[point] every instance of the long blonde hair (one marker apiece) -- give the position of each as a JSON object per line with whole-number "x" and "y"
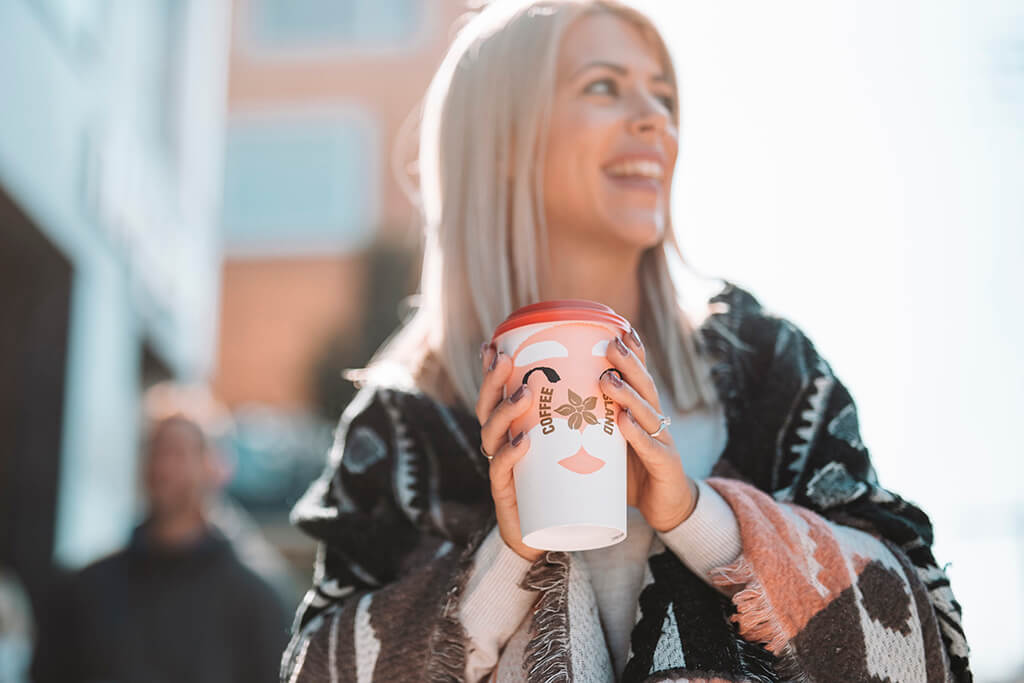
{"x": 485, "y": 117}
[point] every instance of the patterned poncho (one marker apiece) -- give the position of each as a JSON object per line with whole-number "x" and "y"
{"x": 836, "y": 581}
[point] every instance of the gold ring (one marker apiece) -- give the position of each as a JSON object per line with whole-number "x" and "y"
{"x": 489, "y": 457}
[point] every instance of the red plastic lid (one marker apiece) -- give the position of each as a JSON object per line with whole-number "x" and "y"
{"x": 562, "y": 310}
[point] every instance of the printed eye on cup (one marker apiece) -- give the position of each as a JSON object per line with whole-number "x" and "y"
{"x": 571, "y": 484}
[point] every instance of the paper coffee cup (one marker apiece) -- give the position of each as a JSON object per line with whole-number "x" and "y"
{"x": 571, "y": 484}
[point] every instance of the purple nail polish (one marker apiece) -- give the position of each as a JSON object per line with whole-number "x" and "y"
{"x": 517, "y": 394}
{"x": 614, "y": 378}
{"x": 517, "y": 439}
{"x": 635, "y": 336}
{"x": 483, "y": 349}
{"x": 621, "y": 347}
{"x": 494, "y": 361}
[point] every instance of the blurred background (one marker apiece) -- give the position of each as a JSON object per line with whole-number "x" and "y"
{"x": 213, "y": 193}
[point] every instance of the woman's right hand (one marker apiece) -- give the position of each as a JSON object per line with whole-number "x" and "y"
{"x": 496, "y": 415}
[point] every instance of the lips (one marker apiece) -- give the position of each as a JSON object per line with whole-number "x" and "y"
{"x": 640, "y": 170}
{"x": 635, "y": 182}
{"x": 582, "y": 462}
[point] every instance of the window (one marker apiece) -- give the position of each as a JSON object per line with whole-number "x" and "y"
{"x": 316, "y": 24}
{"x": 299, "y": 183}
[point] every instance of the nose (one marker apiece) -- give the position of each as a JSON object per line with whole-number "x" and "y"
{"x": 649, "y": 118}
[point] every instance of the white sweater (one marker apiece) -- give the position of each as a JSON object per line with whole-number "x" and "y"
{"x": 493, "y": 607}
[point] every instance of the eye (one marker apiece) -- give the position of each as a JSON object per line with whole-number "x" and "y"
{"x": 613, "y": 88}
{"x": 668, "y": 101}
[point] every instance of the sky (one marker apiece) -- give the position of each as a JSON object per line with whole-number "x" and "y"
{"x": 859, "y": 166}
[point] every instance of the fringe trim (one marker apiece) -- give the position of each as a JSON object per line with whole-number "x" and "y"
{"x": 547, "y": 658}
{"x": 755, "y": 616}
{"x": 446, "y": 662}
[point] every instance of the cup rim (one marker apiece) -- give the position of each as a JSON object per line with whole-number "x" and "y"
{"x": 562, "y": 310}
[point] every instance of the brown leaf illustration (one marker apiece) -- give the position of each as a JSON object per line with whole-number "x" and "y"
{"x": 575, "y": 421}
{"x": 590, "y": 403}
{"x": 565, "y": 409}
{"x": 574, "y": 398}
{"x": 589, "y": 417}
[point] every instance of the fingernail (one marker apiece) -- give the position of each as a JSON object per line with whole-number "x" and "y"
{"x": 629, "y": 414}
{"x": 517, "y": 394}
{"x": 621, "y": 347}
{"x": 483, "y": 349}
{"x": 517, "y": 438}
{"x": 614, "y": 378}
{"x": 494, "y": 361}
{"x": 635, "y": 336}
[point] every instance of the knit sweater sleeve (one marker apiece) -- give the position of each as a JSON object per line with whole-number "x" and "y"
{"x": 494, "y": 603}
{"x": 392, "y": 560}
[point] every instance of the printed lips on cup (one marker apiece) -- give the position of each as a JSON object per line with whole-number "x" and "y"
{"x": 571, "y": 484}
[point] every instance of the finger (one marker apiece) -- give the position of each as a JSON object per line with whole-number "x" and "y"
{"x": 495, "y": 429}
{"x": 636, "y": 346}
{"x": 630, "y": 399}
{"x": 656, "y": 456}
{"x": 497, "y": 367}
{"x": 633, "y": 370}
{"x": 503, "y": 462}
{"x": 487, "y": 353}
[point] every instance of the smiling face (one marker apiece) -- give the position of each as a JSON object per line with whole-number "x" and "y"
{"x": 561, "y": 365}
{"x": 612, "y": 142}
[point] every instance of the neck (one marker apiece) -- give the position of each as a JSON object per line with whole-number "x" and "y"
{"x": 178, "y": 529}
{"x": 595, "y": 272}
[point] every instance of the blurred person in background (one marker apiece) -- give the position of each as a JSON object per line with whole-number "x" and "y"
{"x": 176, "y": 605}
{"x": 760, "y": 545}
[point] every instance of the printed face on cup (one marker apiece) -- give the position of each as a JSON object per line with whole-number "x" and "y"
{"x": 570, "y": 416}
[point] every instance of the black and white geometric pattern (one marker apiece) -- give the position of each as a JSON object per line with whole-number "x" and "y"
{"x": 404, "y": 501}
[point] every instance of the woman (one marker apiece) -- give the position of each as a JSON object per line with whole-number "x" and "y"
{"x": 760, "y": 546}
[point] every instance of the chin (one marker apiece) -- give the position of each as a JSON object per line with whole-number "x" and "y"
{"x": 637, "y": 228}
{"x": 641, "y": 236}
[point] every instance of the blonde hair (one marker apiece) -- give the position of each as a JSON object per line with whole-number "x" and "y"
{"x": 485, "y": 115}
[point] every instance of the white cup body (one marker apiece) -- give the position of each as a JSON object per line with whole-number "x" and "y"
{"x": 564, "y": 503}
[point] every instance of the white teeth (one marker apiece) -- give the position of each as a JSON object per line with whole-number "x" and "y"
{"x": 647, "y": 169}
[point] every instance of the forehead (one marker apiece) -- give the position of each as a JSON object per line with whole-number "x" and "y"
{"x": 606, "y": 37}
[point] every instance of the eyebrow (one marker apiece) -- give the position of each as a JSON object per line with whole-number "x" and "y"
{"x": 617, "y": 68}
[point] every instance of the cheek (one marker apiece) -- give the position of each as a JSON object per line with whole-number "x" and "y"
{"x": 557, "y": 173}
{"x": 198, "y": 482}
{"x": 576, "y": 138}
{"x": 572, "y": 191}
{"x": 672, "y": 153}
{"x": 560, "y": 162}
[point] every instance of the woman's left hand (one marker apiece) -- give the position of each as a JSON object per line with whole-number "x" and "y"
{"x": 657, "y": 485}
